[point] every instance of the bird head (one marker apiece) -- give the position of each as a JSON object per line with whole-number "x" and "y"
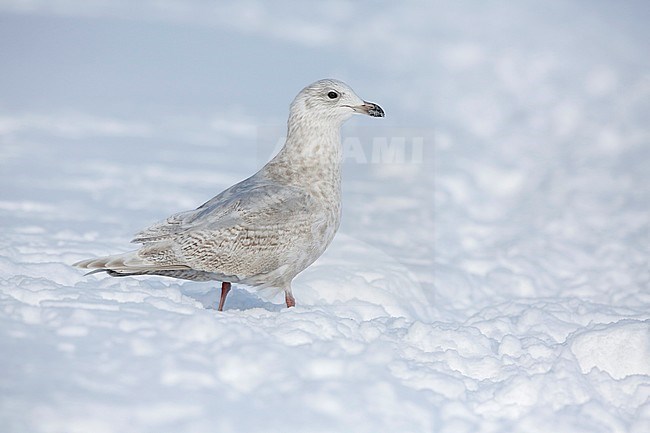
{"x": 331, "y": 100}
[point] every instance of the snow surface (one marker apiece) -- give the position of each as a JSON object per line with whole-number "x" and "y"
{"x": 493, "y": 277}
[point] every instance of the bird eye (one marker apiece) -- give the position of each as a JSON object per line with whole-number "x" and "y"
{"x": 332, "y": 95}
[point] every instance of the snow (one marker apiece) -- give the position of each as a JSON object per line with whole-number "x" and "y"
{"x": 494, "y": 279}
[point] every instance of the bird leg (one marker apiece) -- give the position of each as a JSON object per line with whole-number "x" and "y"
{"x": 225, "y": 288}
{"x": 288, "y": 297}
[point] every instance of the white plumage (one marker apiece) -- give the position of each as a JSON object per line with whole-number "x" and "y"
{"x": 266, "y": 229}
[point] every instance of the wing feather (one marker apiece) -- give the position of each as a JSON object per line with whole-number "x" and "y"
{"x": 252, "y": 203}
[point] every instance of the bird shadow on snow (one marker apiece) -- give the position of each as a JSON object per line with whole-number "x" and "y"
{"x": 238, "y": 298}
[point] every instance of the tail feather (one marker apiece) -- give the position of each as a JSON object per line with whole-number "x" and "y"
{"x": 124, "y": 264}
{"x": 132, "y": 264}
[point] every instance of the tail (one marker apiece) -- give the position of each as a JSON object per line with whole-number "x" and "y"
{"x": 126, "y": 264}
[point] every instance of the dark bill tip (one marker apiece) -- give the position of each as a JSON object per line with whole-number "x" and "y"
{"x": 373, "y": 109}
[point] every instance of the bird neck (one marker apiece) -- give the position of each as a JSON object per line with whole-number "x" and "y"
{"x": 311, "y": 156}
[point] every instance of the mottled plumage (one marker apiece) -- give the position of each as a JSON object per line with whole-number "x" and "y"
{"x": 266, "y": 229}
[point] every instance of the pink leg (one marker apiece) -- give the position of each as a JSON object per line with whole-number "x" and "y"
{"x": 288, "y": 297}
{"x": 225, "y": 288}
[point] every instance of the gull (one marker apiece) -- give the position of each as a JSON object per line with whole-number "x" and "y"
{"x": 264, "y": 230}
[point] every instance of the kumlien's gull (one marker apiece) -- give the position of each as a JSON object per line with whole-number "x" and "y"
{"x": 265, "y": 230}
